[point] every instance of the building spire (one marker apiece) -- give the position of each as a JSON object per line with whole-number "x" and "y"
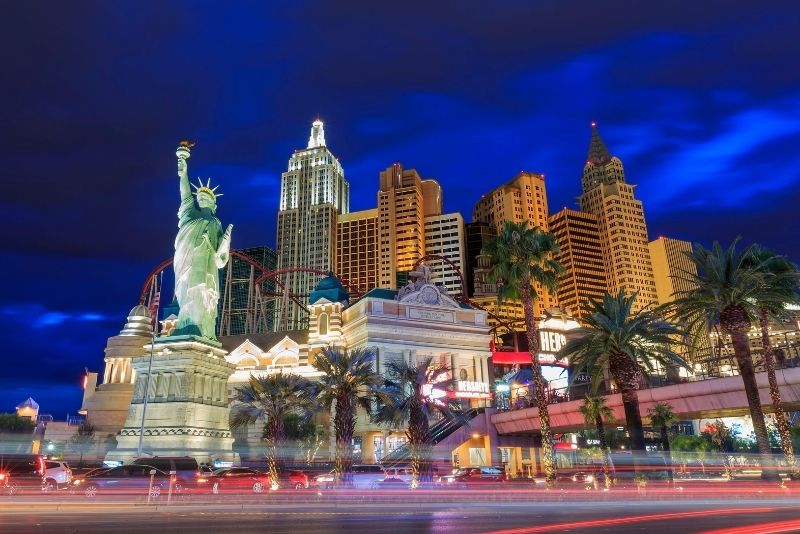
{"x": 598, "y": 153}
{"x": 317, "y": 137}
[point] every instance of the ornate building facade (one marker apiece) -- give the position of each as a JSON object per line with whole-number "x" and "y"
{"x": 314, "y": 192}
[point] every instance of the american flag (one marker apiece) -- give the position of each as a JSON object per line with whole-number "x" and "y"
{"x": 154, "y": 303}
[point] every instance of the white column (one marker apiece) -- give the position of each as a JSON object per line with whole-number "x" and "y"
{"x": 107, "y": 371}
{"x": 484, "y": 368}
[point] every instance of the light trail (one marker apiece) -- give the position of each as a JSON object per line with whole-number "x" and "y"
{"x": 792, "y": 525}
{"x": 631, "y": 519}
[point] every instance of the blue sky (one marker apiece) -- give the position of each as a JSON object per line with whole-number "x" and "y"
{"x": 700, "y": 100}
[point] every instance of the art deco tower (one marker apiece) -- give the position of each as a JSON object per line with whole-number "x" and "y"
{"x": 314, "y": 192}
{"x": 621, "y": 223}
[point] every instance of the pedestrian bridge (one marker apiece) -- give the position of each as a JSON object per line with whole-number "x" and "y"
{"x": 706, "y": 399}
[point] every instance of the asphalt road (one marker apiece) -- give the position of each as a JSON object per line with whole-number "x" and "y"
{"x": 750, "y": 516}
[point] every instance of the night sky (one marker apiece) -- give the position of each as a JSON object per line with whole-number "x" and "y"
{"x": 700, "y": 100}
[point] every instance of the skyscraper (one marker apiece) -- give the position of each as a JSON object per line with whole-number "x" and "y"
{"x": 444, "y": 236}
{"x": 404, "y": 200}
{"x": 357, "y": 250}
{"x": 621, "y": 223}
{"x": 314, "y": 192}
{"x": 523, "y": 198}
{"x": 671, "y": 267}
{"x": 581, "y": 255}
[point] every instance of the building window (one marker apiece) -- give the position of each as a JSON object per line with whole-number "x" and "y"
{"x": 323, "y": 324}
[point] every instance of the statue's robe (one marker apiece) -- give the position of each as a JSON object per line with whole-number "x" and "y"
{"x": 196, "y": 271}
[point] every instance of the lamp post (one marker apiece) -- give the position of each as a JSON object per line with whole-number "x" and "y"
{"x": 157, "y": 296}
{"x": 146, "y": 393}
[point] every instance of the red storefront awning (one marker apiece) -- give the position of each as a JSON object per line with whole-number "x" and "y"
{"x": 524, "y": 358}
{"x": 511, "y": 358}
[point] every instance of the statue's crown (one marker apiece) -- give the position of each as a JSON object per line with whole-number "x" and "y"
{"x": 206, "y": 188}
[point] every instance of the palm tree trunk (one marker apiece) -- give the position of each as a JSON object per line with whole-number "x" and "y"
{"x": 272, "y": 462}
{"x": 418, "y": 440}
{"x": 344, "y": 427}
{"x": 601, "y": 436}
{"x": 667, "y": 453}
{"x": 628, "y": 376}
{"x": 737, "y": 326}
{"x": 548, "y": 451}
{"x": 274, "y": 435}
{"x": 777, "y": 405}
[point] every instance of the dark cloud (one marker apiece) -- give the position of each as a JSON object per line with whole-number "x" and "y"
{"x": 699, "y": 99}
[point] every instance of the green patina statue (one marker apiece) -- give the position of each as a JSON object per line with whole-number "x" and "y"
{"x": 201, "y": 250}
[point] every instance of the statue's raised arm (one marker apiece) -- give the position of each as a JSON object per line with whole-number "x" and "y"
{"x": 183, "y": 153}
{"x": 201, "y": 249}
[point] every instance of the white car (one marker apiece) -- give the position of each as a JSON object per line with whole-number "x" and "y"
{"x": 57, "y": 475}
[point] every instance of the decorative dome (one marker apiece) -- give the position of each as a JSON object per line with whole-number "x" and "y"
{"x": 329, "y": 288}
{"x": 140, "y": 310}
{"x": 329, "y": 282}
{"x": 138, "y": 323}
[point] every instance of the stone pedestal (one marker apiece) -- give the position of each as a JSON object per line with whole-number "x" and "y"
{"x": 187, "y": 410}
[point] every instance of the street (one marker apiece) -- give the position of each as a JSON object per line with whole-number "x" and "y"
{"x": 466, "y": 513}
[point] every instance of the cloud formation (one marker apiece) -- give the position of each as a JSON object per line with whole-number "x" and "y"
{"x": 698, "y": 99}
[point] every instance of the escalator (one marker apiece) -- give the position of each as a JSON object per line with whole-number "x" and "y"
{"x": 439, "y": 432}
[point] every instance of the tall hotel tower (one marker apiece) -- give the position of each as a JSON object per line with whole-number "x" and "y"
{"x": 313, "y": 193}
{"x": 524, "y": 198}
{"x": 672, "y": 268}
{"x": 404, "y": 202}
{"x": 580, "y": 253}
{"x": 621, "y": 224}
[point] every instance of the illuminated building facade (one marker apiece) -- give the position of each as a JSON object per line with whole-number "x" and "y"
{"x": 314, "y": 192}
{"x": 621, "y": 224}
{"x": 357, "y": 253}
{"x": 444, "y": 236}
{"x": 404, "y": 201}
{"x": 524, "y": 198}
{"x": 581, "y": 255}
{"x": 671, "y": 267}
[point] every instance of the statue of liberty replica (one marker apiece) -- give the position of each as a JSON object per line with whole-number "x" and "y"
{"x": 180, "y": 398}
{"x": 201, "y": 250}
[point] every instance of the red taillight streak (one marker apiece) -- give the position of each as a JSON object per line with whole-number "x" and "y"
{"x": 762, "y": 528}
{"x": 631, "y": 519}
{"x": 40, "y": 463}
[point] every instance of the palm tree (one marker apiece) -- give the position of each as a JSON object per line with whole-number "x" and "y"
{"x": 628, "y": 345}
{"x": 725, "y": 294}
{"x": 272, "y": 397}
{"x": 594, "y": 411}
{"x": 780, "y": 290}
{"x": 521, "y": 259}
{"x": 662, "y": 417}
{"x": 348, "y": 380}
{"x": 407, "y": 400}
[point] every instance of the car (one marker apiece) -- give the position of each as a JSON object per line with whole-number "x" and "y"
{"x": 471, "y": 476}
{"x": 296, "y": 479}
{"x": 238, "y": 479}
{"x": 401, "y": 472}
{"x": 57, "y": 475}
{"x": 135, "y": 479}
{"x": 325, "y": 480}
{"x": 391, "y": 483}
{"x": 22, "y": 473}
{"x": 187, "y": 471}
{"x": 362, "y": 476}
